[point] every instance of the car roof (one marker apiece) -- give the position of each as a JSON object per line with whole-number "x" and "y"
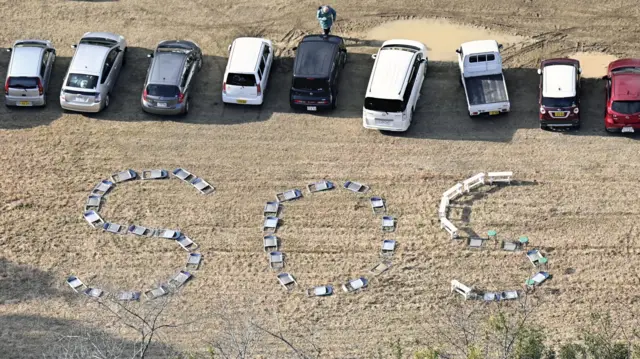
{"x": 390, "y": 72}
{"x": 322, "y": 38}
{"x": 167, "y": 67}
{"x": 245, "y": 54}
{"x": 560, "y": 60}
{"x": 88, "y": 59}
{"x": 623, "y": 63}
{"x": 559, "y": 81}
{"x": 479, "y": 46}
{"x": 315, "y": 58}
{"x": 403, "y": 42}
{"x": 625, "y": 87}
{"x": 25, "y": 61}
{"x": 105, "y": 35}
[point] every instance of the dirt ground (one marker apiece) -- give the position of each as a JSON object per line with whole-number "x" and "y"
{"x": 578, "y": 201}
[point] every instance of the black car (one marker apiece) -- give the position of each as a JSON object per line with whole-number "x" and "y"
{"x": 316, "y": 70}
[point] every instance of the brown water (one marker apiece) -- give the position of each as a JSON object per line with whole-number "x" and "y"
{"x": 594, "y": 64}
{"x": 441, "y": 37}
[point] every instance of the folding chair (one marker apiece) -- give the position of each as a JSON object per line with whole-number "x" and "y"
{"x": 354, "y": 285}
{"x": 320, "y": 186}
{"x": 380, "y": 268}
{"x": 270, "y": 224}
{"x": 271, "y": 209}
{"x": 141, "y": 231}
{"x": 186, "y": 243}
{"x": 276, "y": 260}
{"x": 287, "y": 280}
{"x": 114, "y": 228}
{"x": 168, "y": 234}
{"x": 155, "y": 174}
{"x": 388, "y": 224}
{"x": 128, "y": 296}
{"x": 534, "y": 256}
{"x": 377, "y": 205}
{"x": 454, "y": 192}
{"x": 388, "y": 247}
{"x": 203, "y": 186}
{"x": 179, "y": 279}
{"x": 76, "y": 284}
{"x": 193, "y": 261}
{"x": 499, "y": 177}
{"x": 321, "y": 291}
{"x": 289, "y": 195}
{"x": 93, "y": 218}
{"x": 442, "y": 209}
{"x": 183, "y": 174}
{"x": 465, "y": 291}
{"x": 511, "y": 246}
{"x": 93, "y": 203}
{"x": 93, "y": 292}
{"x": 537, "y": 279}
{"x": 356, "y": 187}
{"x": 449, "y": 227}
{"x": 124, "y": 176}
{"x": 510, "y": 294}
{"x": 491, "y": 297}
{"x": 102, "y": 188}
{"x": 475, "y": 243}
{"x": 156, "y": 292}
{"x": 473, "y": 182}
{"x": 270, "y": 243}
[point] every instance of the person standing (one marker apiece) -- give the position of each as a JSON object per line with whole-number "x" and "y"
{"x": 326, "y": 16}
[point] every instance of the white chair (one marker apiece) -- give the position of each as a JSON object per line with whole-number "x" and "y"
{"x": 320, "y": 186}
{"x": 168, "y": 234}
{"x": 500, "y": 177}
{"x": 388, "y": 247}
{"x": 102, "y": 188}
{"x": 183, "y": 175}
{"x": 93, "y": 218}
{"x": 388, "y": 224}
{"x": 380, "y": 268}
{"x": 94, "y": 202}
{"x": 270, "y": 243}
{"x": 321, "y": 291}
{"x": 202, "y": 186}
{"x": 442, "y": 210}
{"x": 93, "y": 292}
{"x": 127, "y": 296}
{"x": 76, "y": 284}
{"x": 473, "y": 182}
{"x": 289, "y": 195}
{"x": 154, "y": 174}
{"x": 377, "y": 205}
{"x": 187, "y": 244}
{"x": 270, "y": 224}
{"x": 354, "y": 285}
{"x": 463, "y": 290}
{"x": 475, "y": 243}
{"x": 271, "y": 209}
{"x": 449, "y": 227}
{"x": 114, "y": 228}
{"x": 141, "y": 231}
{"x": 454, "y": 192}
{"x": 193, "y": 261}
{"x": 276, "y": 260}
{"x": 355, "y": 187}
{"x": 179, "y": 279}
{"x": 124, "y": 176}
{"x": 287, "y": 280}
{"x": 156, "y": 292}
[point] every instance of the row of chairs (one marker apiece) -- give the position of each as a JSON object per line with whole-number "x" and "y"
{"x": 271, "y": 213}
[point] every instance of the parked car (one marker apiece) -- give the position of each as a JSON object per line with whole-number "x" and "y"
{"x": 316, "y": 72}
{"x": 622, "y": 111}
{"x": 93, "y": 72}
{"x": 480, "y": 65}
{"x": 559, "y": 98}
{"x": 29, "y": 73}
{"x": 170, "y": 77}
{"x": 394, "y": 85}
{"x": 247, "y": 73}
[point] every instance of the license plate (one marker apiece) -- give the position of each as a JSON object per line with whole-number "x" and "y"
{"x": 161, "y": 104}
{"x": 241, "y": 101}
{"x": 24, "y": 103}
{"x": 627, "y": 129}
{"x": 558, "y": 114}
{"x": 494, "y": 112}
{"x": 312, "y": 108}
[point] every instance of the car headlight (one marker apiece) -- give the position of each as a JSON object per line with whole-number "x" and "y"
{"x": 542, "y": 111}
{"x": 576, "y": 110}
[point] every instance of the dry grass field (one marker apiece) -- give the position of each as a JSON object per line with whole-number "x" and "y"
{"x": 578, "y": 200}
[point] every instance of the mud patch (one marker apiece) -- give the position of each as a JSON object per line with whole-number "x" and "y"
{"x": 594, "y": 64}
{"x": 441, "y": 37}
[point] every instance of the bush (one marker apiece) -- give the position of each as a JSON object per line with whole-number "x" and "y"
{"x": 529, "y": 344}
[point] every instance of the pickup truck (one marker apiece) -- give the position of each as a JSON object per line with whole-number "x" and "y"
{"x": 481, "y": 75}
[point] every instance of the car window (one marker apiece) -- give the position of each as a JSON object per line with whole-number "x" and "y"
{"x": 259, "y": 73}
{"x": 473, "y": 59}
{"x": 626, "y": 107}
{"x": 23, "y": 82}
{"x": 111, "y": 58}
{"x": 43, "y": 65}
{"x": 409, "y": 89}
{"x": 241, "y": 79}
{"x": 108, "y": 65}
{"x": 163, "y": 90}
{"x": 608, "y": 88}
{"x": 185, "y": 75}
{"x": 262, "y": 65}
{"x": 82, "y": 81}
{"x": 482, "y": 58}
{"x": 312, "y": 84}
{"x": 265, "y": 52}
{"x": 491, "y": 57}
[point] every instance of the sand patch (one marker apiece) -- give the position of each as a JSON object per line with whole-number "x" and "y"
{"x": 441, "y": 37}
{"x": 594, "y": 64}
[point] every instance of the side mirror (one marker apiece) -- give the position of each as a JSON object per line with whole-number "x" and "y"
{"x": 374, "y": 56}
{"x": 458, "y": 51}
{"x": 229, "y": 48}
{"x": 8, "y": 49}
{"x": 580, "y": 70}
{"x": 74, "y": 46}
{"x": 499, "y": 46}
{"x": 149, "y": 55}
{"x": 295, "y": 48}
{"x": 605, "y": 77}
{"x": 539, "y": 71}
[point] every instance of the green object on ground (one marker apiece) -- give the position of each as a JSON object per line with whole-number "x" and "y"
{"x": 492, "y": 234}
{"x": 530, "y": 282}
{"x": 524, "y": 240}
{"x": 543, "y": 260}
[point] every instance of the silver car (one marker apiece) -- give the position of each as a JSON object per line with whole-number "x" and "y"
{"x": 170, "y": 77}
{"x": 93, "y": 72}
{"x": 29, "y": 73}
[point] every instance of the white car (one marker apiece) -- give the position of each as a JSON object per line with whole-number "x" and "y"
{"x": 247, "y": 74}
{"x": 394, "y": 86}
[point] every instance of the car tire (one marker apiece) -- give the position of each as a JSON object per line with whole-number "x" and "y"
{"x": 334, "y": 102}
{"x": 44, "y": 100}
{"x": 107, "y": 100}
{"x": 345, "y": 59}
{"x": 186, "y": 107}
{"x": 124, "y": 57}
{"x": 544, "y": 127}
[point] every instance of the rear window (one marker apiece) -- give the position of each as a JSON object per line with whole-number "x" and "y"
{"x": 383, "y": 105}
{"x": 626, "y": 107}
{"x": 82, "y": 81}
{"x": 23, "y": 82}
{"x": 627, "y": 70}
{"x": 245, "y": 80}
{"x": 301, "y": 83}
{"x": 163, "y": 90}
{"x": 558, "y": 102}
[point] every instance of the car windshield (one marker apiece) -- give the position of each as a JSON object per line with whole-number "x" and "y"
{"x": 23, "y": 82}
{"x": 310, "y": 84}
{"x": 163, "y": 90}
{"x": 626, "y": 70}
{"x": 626, "y": 107}
{"x": 244, "y": 80}
{"x": 82, "y": 81}
{"x": 383, "y": 105}
{"x": 98, "y": 41}
{"x": 558, "y": 102}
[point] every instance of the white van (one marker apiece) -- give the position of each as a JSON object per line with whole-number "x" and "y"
{"x": 247, "y": 73}
{"x": 394, "y": 86}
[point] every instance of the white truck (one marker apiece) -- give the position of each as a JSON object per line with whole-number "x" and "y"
{"x": 481, "y": 75}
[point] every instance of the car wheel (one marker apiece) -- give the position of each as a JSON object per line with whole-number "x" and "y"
{"x": 124, "y": 57}
{"x": 334, "y": 102}
{"x": 345, "y": 59}
{"x": 544, "y": 127}
{"x": 186, "y": 107}
{"x": 199, "y": 64}
{"x": 106, "y": 101}
{"x": 44, "y": 100}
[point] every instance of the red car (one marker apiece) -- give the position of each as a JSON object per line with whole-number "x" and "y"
{"x": 622, "y": 113}
{"x": 559, "y": 99}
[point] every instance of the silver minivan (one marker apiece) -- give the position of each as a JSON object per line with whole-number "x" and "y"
{"x": 29, "y": 73}
{"x": 93, "y": 72}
